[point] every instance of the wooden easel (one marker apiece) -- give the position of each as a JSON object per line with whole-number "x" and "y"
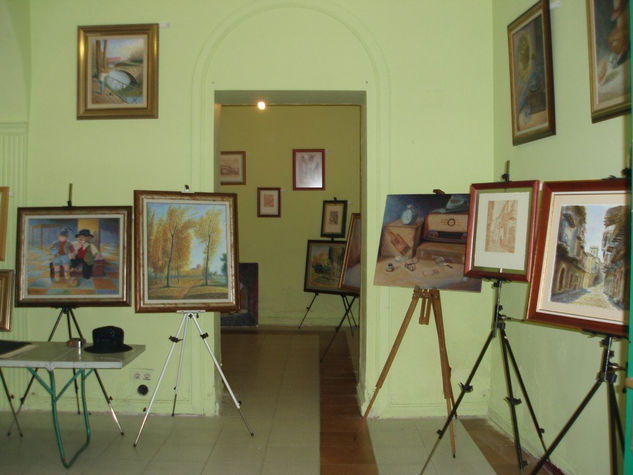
{"x": 430, "y": 300}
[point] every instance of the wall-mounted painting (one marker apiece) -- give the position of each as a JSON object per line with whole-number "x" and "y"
{"x": 269, "y": 202}
{"x": 609, "y": 58}
{"x": 186, "y": 251}
{"x": 333, "y": 218}
{"x": 77, "y": 256}
{"x": 4, "y": 219}
{"x": 117, "y": 72}
{"x": 308, "y": 169}
{"x": 324, "y": 263}
{"x": 351, "y": 274}
{"x": 423, "y": 243}
{"x": 233, "y": 168}
{"x": 531, "y": 75}
{"x": 6, "y": 295}
{"x": 501, "y": 230}
{"x": 581, "y": 267}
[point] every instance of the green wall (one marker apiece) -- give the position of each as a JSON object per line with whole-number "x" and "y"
{"x": 559, "y": 366}
{"x": 278, "y": 245}
{"x": 426, "y": 68}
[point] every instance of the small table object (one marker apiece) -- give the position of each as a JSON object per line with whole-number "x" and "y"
{"x": 58, "y": 355}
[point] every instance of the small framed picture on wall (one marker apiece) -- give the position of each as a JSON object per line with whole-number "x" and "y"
{"x": 333, "y": 218}
{"x": 268, "y": 202}
{"x": 308, "y": 169}
{"x": 232, "y": 168}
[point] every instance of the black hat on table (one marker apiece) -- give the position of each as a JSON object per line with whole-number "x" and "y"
{"x": 108, "y": 340}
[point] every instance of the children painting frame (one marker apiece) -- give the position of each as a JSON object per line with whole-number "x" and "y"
{"x": 76, "y": 256}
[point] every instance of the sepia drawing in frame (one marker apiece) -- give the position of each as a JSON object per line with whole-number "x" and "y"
{"x": 501, "y": 229}
{"x": 186, "y": 251}
{"x": 117, "y": 72}
{"x": 531, "y": 75}
{"x": 308, "y": 169}
{"x": 581, "y": 266}
{"x": 333, "y": 218}
{"x": 232, "y": 168}
{"x": 268, "y": 202}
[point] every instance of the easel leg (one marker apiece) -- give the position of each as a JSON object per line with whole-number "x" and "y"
{"x": 174, "y": 340}
{"x": 338, "y": 328}
{"x": 9, "y": 398}
{"x": 349, "y": 304}
{"x": 28, "y": 386}
{"x": 107, "y": 398}
{"x": 70, "y": 335}
{"x": 219, "y": 369}
{"x": 182, "y": 354}
{"x": 347, "y": 308}
{"x": 308, "y": 309}
{"x": 417, "y": 294}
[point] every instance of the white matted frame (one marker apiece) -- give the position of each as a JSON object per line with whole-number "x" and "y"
{"x": 501, "y": 230}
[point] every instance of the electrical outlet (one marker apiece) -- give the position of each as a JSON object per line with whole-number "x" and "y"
{"x": 142, "y": 375}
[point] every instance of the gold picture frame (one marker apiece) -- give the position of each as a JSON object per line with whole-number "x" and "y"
{"x": 117, "y": 72}
{"x": 6, "y": 295}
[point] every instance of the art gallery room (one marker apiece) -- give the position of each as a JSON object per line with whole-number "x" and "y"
{"x": 315, "y": 236}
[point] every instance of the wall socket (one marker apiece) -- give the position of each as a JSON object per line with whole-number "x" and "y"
{"x": 142, "y": 375}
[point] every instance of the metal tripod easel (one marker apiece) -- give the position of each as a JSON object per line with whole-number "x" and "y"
{"x": 346, "y": 315}
{"x": 67, "y": 311}
{"x": 348, "y": 312}
{"x": 181, "y": 335}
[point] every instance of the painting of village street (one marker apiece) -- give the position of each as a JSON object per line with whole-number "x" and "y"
{"x": 186, "y": 252}
{"x": 592, "y": 265}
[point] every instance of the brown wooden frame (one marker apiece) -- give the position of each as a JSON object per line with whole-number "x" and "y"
{"x": 540, "y": 8}
{"x": 259, "y": 209}
{"x": 243, "y": 156}
{"x": 150, "y": 111}
{"x": 355, "y": 221}
{"x": 549, "y": 189}
{"x": 314, "y": 289}
{"x": 294, "y": 169}
{"x": 4, "y": 218}
{"x": 6, "y": 295}
{"x": 601, "y": 113}
{"x": 209, "y": 305}
{"x": 23, "y": 300}
{"x": 501, "y": 273}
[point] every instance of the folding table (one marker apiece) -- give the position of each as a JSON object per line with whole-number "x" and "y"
{"x": 57, "y": 355}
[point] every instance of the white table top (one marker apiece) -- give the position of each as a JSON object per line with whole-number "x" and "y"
{"x": 54, "y": 355}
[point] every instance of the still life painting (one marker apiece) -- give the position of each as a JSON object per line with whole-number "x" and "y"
{"x": 423, "y": 243}
{"x": 117, "y": 71}
{"x": 186, "y": 251}
{"x": 73, "y": 256}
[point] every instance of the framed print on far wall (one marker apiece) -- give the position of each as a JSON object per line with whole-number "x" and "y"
{"x": 609, "y": 58}
{"x": 333, "y": 218}
{"x": 501, "y": 230}
{"x": 4, "y": 217}
{"x": 324, "y": 263}
{"x": 77, "y": 256}
{"x": 186, "y": 251}
{"x": 308, "y": 169}
{"x": 268, "y": 202}
{"x": 232, "y": 168}
{"x": 117, "y": 72}
{"x": 351, "y": 273}
{"x": 6, "y": 294}
{"x": 531, "y": 75}
{"x": 581, "y": 265}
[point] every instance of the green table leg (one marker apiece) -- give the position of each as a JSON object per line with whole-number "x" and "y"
{"x": 52, "y": 391}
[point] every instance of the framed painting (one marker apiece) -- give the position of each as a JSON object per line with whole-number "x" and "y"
{"x": 324, "y": 263}
{"x": 6, "y": 294}
{"x": 531, "y": 75}
{"x": 609, "y": 58}
{"x": 351, "y": 273}
{"x": 4, "y": 218}
{"x": 232, "y": 168}
{"x": 308, "y": 169}
{"x": 423, "y": 243}
{"x": 581, "y": 267}
{"x": 333, "y": 218}
{"x": 186, "y": 251}
{"x": 78, "y": 256}
{"x": 117, "y": 72}
{"x": 269, "y": 202}
{"x": 501, "y": 227}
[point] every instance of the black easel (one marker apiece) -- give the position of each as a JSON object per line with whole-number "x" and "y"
{"x": 348, "y": 311}
{"x": 67, "y": 310}
{"x": 346, "y": 304}
{"x": 606, "y": 374}
{"x": 509, "y": 361}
